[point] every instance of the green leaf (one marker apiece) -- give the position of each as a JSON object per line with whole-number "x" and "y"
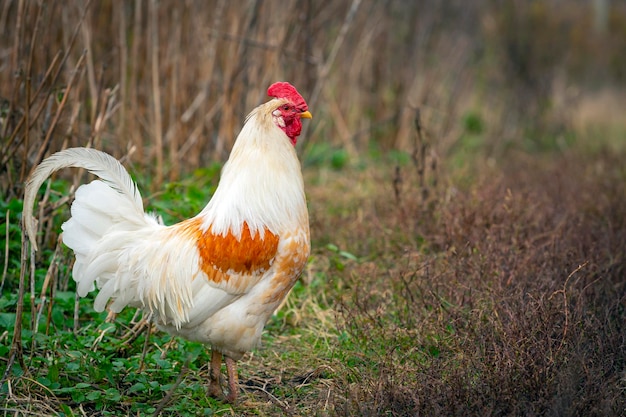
{"x": 94, "y": 395}
{"x": 7, "y": 320}
{"x": 112, "y": 394}
{"x": 348, "y": 255}
{"x": 66, "y": 410}
{"x": 72, "y": 366}
{"x": 139, "y": 386}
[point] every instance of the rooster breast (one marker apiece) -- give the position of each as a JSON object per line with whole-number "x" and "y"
{"x": 239, "y": 283}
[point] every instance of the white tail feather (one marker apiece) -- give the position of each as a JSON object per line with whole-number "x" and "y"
{"x": 98, "y": 163}
{"x": 107, "y": 219}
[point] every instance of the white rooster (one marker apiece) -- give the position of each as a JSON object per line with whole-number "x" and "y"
{"x": 215, "y": 278}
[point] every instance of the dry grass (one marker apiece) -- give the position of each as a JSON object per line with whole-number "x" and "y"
{"x": 504, "y": 299}
{"x": 170, "y": 83}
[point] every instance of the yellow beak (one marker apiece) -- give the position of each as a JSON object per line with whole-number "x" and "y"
{"x": 306, "y": 115}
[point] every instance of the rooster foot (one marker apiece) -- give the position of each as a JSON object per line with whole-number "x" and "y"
{"x": 215, "y": 391}
{"x": 215, "y": 388}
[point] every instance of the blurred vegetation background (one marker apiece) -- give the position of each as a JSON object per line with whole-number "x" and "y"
{"x": 465, "y": 177}
{"x": 168, "y": 83}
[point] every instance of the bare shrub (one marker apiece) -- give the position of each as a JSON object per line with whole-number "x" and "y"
{"x": 512, "y": 305}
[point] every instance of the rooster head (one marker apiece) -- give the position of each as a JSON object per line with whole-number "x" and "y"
{"x": 290, "y": 110}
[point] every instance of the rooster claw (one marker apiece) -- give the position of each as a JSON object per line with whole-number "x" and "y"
{"x": 215, "y": 391}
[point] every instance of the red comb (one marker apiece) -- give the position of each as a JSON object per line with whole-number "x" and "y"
{"x": 288, "y": 91}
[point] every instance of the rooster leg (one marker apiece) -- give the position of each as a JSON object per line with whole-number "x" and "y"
{"x": 215, "y": 389}
{"x": 233, "y": 380}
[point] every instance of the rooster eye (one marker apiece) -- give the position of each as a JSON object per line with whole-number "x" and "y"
{"x": 285, "y": 107}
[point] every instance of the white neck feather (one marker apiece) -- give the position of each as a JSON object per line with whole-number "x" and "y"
{"x": 261, "y": 182}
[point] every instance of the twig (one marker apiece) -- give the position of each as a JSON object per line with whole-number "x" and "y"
{"x": 303, "y": 380}
{"x": 16, "y": 343}
{"x": 145, "y": 348}
{"x": 76, "y": 313}
{"x": 397, "y": 184}
{"x": 57, "y": 116}
{"x": 123, "y": 72}
{"x": 325, "y": 69}
{"x": 566, "y": 303}
{"x": 14, "y": 70}
{"x": 173, "y": 132}
{"x": 33, "y": 310}
{"x": 96, "y": 342}
{"x": 5, "y": 156}
{"x": 282, "y": 404}
{"x": 106, "y": 110}
{"x": 92, "y": 85}
{"x": 419, "y": 154}
{"x": 133, "y": 72}
{"x": 139, "y": 327}
{"x": 53, "y": 289}
{"x": 32, "y": 293}
{"x": 29, "y": 70}
{"x": 6, "y": 250}
{"x": 170, "y": 392}
{"x": 50, "y": 274}
{"x": 156, "y": 92}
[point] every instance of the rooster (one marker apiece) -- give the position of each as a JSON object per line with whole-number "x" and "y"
{"x": 215, "y": 278}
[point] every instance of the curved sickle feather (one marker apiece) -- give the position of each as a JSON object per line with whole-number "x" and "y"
{"x": 96, "y": 162}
